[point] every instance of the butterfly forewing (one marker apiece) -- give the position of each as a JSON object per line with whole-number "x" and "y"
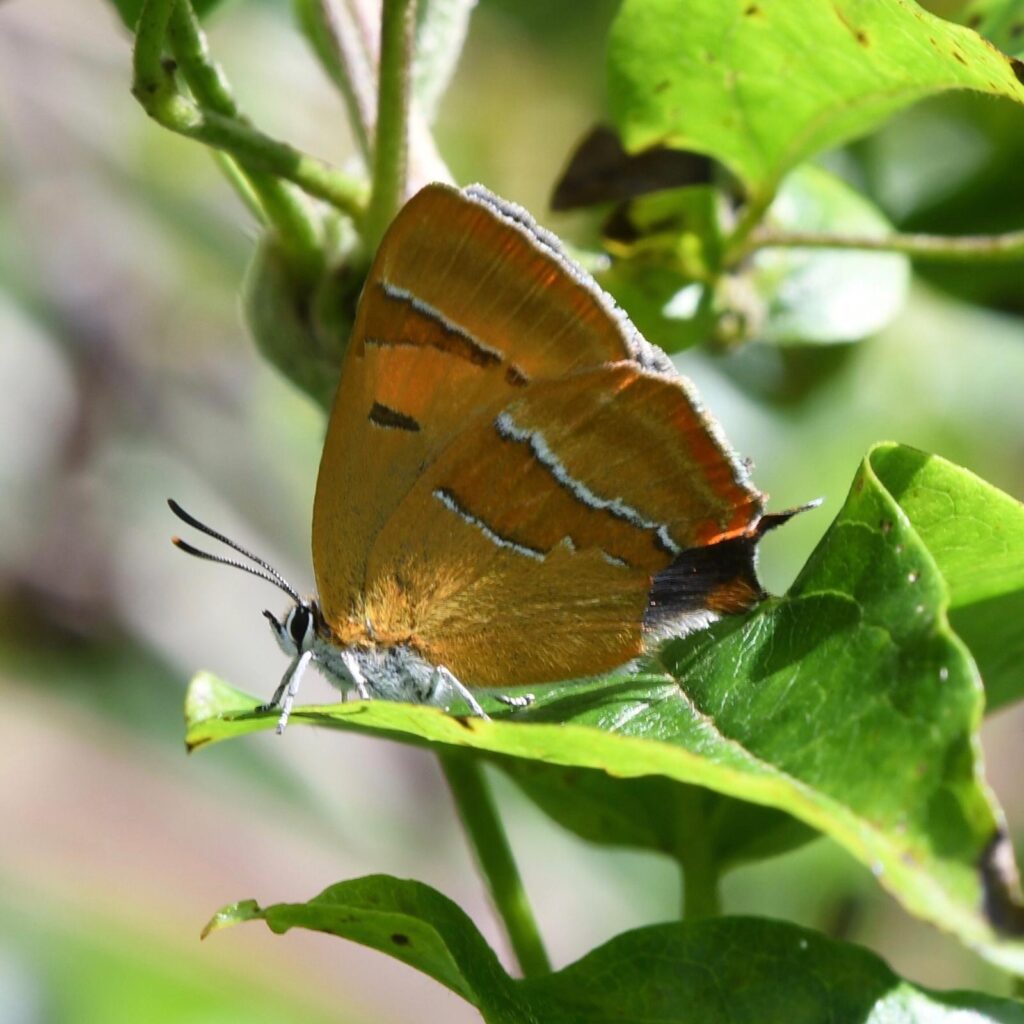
{"x": 464, "y": 306}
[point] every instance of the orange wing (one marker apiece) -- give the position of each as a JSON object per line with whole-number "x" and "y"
{"x": 465, "y": 304}
{"x": 507, "y": 464}
{"x": 525, "y": 552}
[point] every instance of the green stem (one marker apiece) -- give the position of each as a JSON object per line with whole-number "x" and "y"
{"x": 391, "y": 141}
{"x": 970, "y": 248}
{"x": 479, "y": 816}
{"x": 701, "y": 894}
{"x": 251, "y": 147}
{"x": 735, "y": 245}
{"x": 154, "y": 87}
{"x": 204, "y": 77}
{"x": 240, "y": 182}
{"x": 284, "y": 207}
{"x": 149, "y": 76}
{"x": 694, "y": 850}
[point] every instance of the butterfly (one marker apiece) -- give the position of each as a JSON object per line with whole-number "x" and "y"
{"x": 516, "y": 488}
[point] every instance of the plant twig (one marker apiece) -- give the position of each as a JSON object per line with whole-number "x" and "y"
{"x": 284, "y": 207}
{"x": 155, "y": 88}
{"x": 735, "y": 244}
{"x": 701, "y": 894}
{"x": 150, "y": 33}
{"x": 259, "y": 151}
{"x": 479, "y": 816}
{"x": 391, "y": 138}
{"x": 695, "y": 852}
{"x": 941, "y": 248}
{"x": 240, "y": 182}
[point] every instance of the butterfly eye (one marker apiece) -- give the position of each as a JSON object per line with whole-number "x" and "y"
{"x": 298, "y": 624}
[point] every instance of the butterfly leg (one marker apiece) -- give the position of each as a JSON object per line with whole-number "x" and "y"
{"x": 517, "y": 703}
{"x": 442, "y": 676}
{"x": 348, "y": 659}
{"x": 285, "y": 694}
{"x": 278, "y": 693}
{"x": 275, "y": 701}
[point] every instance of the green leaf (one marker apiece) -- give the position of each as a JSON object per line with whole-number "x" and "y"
{"x": 668, "y": 274}
{"x": 655, "y": 813}
{"x": 821, "y": 296}
{"x": 130, "y": 9}
{"x": 663, "y": 274}
{"x": 747, "y": 971}
{"x": 1001, "y": 22}
{"x": 975, "y": 533}
{"x": 729, "y": 970}
{"x": 762, "y": 84}
{"x": 849, "y": 704}
{"x": 405, "y": 919}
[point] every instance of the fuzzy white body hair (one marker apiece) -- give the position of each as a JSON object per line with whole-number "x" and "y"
{"x": 395, "y": 673}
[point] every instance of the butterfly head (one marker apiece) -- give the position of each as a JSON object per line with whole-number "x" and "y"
{"x": 296, "y": 632}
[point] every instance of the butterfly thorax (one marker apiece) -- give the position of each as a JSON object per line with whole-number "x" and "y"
{"x": 354, "y": 657}
{"x": 388, "y": 672}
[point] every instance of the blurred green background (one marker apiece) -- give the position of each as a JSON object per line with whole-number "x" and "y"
{"x": 126, "y": 378}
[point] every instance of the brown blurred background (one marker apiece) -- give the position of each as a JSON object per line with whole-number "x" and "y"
{"x": 126, "y": 377}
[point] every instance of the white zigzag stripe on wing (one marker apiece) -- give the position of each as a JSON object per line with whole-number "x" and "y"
{"x": 448, "y": 500}
{"x": 393, "y": 291}
{"x": 508, "y": 429}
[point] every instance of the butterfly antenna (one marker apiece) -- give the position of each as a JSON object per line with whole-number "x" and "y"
{"x": 270, "y": 574}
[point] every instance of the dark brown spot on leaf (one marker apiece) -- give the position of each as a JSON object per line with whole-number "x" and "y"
{"x": 862, "y": 37}
{"x": 752, "y": 10}
{"x": 399, "y": 939}
{"x": 960, "y": 57}
{"x": 662, "y": 85}
{"x": 1017, "y": 67}
{"x": 841, "y": 15}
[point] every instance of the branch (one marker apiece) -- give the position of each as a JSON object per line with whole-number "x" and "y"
{"x": 479, "y": 817}
{"x": 155, "y": 88}
{"x": 701, "y": 894}
{"x": 940, "y": 248}
{"x": 282, "y": 205}
{"x": 391, "y": 142}
{"x": 259, "y": 151}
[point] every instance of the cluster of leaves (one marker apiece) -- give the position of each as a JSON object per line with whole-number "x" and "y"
{"x": 850, "y": 706}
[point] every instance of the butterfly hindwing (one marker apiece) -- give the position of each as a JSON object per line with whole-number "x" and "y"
{"x": 526, "y": 551}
